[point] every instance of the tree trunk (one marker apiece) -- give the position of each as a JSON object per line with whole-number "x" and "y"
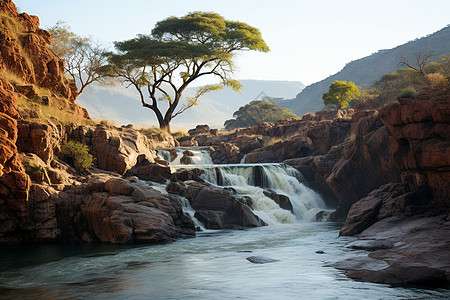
{"x": 164, "y": 125}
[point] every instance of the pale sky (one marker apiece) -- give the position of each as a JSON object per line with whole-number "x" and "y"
{"x": 309, "y": 40}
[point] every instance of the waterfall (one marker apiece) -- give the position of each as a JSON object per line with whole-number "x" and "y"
{"x": 257, "y": 182}
{"x": 197, "y": 156}
{"x": 252, "y": 180}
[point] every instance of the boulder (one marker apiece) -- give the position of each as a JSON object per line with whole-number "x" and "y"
{"x": 408, "y": 251}
{"x": 117, "y": 149}
{"x": 218, "y": 208}
{"x": 226, "y": 153}
{"x": 187, "y": 174}
{"x": 199, "y": 129}
{"x": 151, "y": 172}
{"x": 121, "y": 211}
{"x": 283, "y": 201}
{"x": 39, "y": 138}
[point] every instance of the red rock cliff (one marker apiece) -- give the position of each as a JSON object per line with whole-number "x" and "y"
{"x": 24, "y": 52}
{"x": 421, "y": 130}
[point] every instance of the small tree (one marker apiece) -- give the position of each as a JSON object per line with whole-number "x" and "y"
{"x": 341, "y": 93}
{"x": 256, "y": 112}
{"x": 84, "y": 57}
{"x": 160, "y": 66}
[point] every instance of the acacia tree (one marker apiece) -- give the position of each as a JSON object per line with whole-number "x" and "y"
{"x": 341, "y": 93}
{"x": 160, "y": 66}
{"x": 85, "y": 59}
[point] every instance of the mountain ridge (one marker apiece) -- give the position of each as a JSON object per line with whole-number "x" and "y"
{"x": 122, "y": 106}
{"x": 365, "y": 71}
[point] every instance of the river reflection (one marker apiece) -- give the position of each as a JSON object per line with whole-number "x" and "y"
{"x": 211, "y": 266}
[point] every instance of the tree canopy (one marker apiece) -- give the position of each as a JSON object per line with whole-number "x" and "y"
{"x": 341, "y": 93}
{"x": 256, "y": 112}
{"x": 84, "y": 58}
{"x": 178, "y": 51}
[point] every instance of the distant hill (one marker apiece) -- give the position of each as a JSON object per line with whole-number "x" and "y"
{"x": 121, "y": 105}
{"x": 367, "y": 70}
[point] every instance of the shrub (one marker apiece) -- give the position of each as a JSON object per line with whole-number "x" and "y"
{"x": 179, "y": 134}
{"x": 407, "y": 93}
{"x": 33, "y": 170}
{"x": 77, "y": 154}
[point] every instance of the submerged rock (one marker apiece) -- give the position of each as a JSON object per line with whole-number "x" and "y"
{"x": 260, "y": 260}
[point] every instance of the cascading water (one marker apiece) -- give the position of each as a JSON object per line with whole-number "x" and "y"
{"x": 197, "y": 156}
{"x": 255, "y": 181}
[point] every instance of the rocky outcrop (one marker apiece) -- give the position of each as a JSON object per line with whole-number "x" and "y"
{"x": 405, "y": 251}
{"x": 216, "y": 208}
{"x": 421, "y": 141}
{"x": 314, "y": 138}
{"x": 118, "y": 149}
{"x": 407, "y": 225}
{"x": 120, "y": 211}
{"x": 329, "y": 114}
{"x": 389, "y": 200}
{"x": 365, "y": 163}
{"x": 24, "y": 52}
{"x": 39, "y": 138}
{"x": 14, "y": 182}
{"x": 145, "y": 170}
{"x": 226, "y": 153}
{"x": 199, "y": 129}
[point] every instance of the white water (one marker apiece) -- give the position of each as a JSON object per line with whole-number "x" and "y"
{"x": 211, "y": 266}
{"x": 278, "y": 178}
{"x": 201, "y": 156}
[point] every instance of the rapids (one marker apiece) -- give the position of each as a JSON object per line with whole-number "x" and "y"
{"x": 285, "y": 260}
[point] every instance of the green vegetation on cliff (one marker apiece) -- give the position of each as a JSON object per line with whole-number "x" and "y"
{"x": 365, "y": 71}
{"x": 256, "y": 112}
{"x": 404, "y": 83}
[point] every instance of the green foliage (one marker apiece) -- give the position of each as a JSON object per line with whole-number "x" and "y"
{"x": 341, "y": 93}
{"x": 256, "y": 112}
{"x": 34, "y": 170}
{"x": 403, "y": 83}
{"x": 178, "y": 51}
{"x": 407, "y": 93}
{"x": 77, "y": 154}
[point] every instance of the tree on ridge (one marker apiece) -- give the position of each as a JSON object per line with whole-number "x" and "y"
{"x": 160, "y": 66}
{"x": 341, "y": 93}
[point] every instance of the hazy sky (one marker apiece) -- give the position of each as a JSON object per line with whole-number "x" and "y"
{"x": 309, "y": 40}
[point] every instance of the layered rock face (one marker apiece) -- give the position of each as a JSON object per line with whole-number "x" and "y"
{"x": 24, "y": 52}
{"x": 421, "y": 141}
{"x": 14, "y": 183}
{"x": 406, "y": 225}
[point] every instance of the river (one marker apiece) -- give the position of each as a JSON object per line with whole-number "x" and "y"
{"x": 285, "y": 260}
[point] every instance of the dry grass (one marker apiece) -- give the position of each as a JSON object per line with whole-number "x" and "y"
{"x": 179, "y": 133}
{"x": 151, "y": 131}
{"x": 269, "y": 141}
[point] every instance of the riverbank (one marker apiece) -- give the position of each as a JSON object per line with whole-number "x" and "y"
{"x": 212, "y": 265}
